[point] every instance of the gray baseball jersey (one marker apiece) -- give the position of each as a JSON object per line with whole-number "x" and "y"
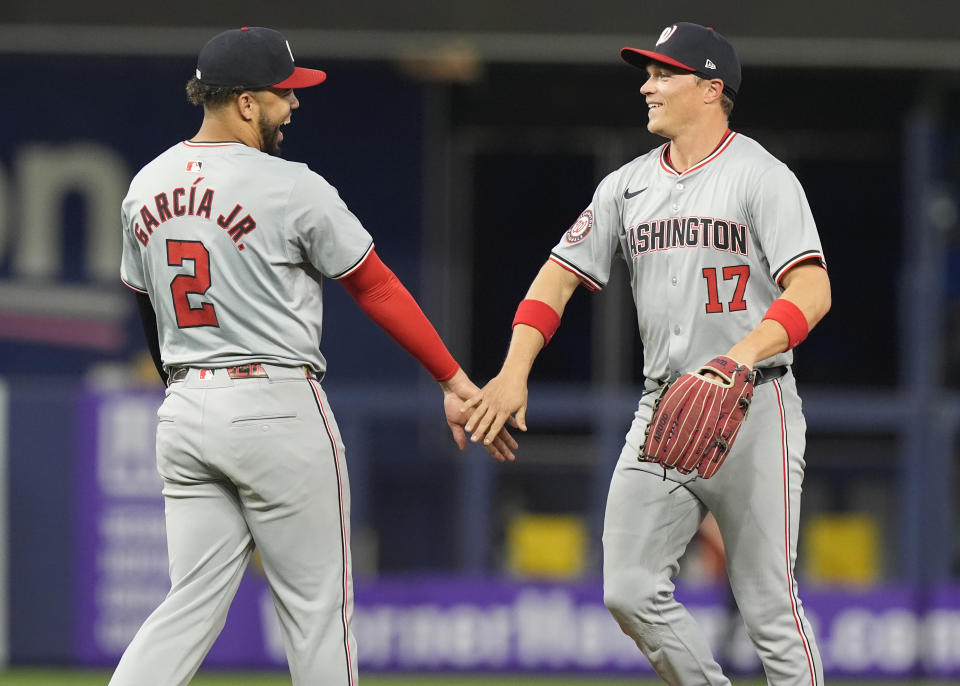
{"x": 232, "y": 258}
{"x": 231, "y": 244}
{"x": 706, "y": 250}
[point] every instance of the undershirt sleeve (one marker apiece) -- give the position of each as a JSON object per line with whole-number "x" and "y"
{"x": 387, "y": 302}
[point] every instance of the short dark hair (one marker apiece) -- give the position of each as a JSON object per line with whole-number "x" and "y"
{"x": 726, "y": 102}
{"x": 199, "y": 93}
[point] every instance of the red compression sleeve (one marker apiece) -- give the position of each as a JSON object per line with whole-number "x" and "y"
{"x": 791, "y": 318}
{"x": 386, "y": 301}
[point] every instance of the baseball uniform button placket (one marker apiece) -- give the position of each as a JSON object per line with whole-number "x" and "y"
{"x": 675, "y": 195}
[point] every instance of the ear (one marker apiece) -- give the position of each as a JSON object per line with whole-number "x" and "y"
{"x": 713, "y": 90}
{"x": 247, "y": 106}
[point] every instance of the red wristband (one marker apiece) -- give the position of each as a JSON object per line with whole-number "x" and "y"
{"x": 540, "y": 316}
{"x": 791, "y": 318}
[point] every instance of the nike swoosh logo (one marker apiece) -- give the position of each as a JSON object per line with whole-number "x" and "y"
{"x": 627, "y": 194}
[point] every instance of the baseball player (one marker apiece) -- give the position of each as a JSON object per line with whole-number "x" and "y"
{"x": 723, "y": 258}
{"x": 225, "y": 245}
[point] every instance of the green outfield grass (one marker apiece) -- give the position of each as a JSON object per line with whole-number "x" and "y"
{"x": 76, "y": 677}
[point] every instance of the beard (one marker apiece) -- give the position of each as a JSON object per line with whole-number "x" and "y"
{"x": 270, "y": 134}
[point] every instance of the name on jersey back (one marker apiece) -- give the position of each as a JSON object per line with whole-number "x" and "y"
{"x": 181, "y": 202}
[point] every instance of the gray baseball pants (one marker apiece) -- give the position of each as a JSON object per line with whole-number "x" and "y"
{"x": 244, "y": 462}
{"x": 755, "y": 498}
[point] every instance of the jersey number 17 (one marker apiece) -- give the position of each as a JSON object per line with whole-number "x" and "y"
{"x": 740, "y": 273}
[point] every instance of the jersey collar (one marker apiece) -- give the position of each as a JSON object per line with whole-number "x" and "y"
{"x": 724, "y": 143}
{"x": 211, "y": 144}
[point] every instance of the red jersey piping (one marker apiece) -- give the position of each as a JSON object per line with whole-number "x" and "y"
{"x": 721, "y": 146}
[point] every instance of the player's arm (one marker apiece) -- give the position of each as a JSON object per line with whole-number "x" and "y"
{"x": 804, "y": 302}
{"x": 506, "y": 393}
{"x": 148, "y": 319}
{"x": 382, "y": 296}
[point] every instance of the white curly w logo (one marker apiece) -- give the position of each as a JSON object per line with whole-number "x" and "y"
{"x": 666, "y": 34}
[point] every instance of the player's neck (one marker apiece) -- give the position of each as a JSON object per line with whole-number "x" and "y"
{"x": 214, "y": 130}
{"x": 696, "y": 144}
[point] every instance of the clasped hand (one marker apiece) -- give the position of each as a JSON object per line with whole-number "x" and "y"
{"x": 459, "y": 395}
{"x": 502, "y": 401}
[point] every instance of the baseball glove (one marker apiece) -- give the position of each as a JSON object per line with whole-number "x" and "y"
{"x": 697, "y": 417}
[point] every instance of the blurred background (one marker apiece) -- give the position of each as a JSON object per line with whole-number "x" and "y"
{"x": 467, "y": 137}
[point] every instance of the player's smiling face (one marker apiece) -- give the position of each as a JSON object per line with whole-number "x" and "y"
{"x": 276, "y": 106}
{"x": 673, "y": 97}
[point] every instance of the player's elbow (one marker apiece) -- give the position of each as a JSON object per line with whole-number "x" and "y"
{"x": 827, "y": 302}
{"x": 809, "y": 285}
{"x": 817, "y": 304}
{"x": 824, "y": 298}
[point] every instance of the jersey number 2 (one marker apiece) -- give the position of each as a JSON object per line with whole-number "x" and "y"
{"x": 184, "y": 285}
{"x": 741, "y": 273}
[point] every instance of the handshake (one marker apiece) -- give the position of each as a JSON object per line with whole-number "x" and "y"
{"x": 460, "y": 396}
{"x": 485, "y": 413}
{"x": 694, "y": 424}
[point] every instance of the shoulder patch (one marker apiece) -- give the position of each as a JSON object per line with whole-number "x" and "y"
{"x": 580, "y": 228}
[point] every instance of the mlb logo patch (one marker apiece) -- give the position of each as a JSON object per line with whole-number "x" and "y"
{"x": 194, "y": 166}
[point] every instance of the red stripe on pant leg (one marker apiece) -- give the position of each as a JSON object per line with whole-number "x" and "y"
{"x": 786, "y": 528}
{"x": 343, "y": 531}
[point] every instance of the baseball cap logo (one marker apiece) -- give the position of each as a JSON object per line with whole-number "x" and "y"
{"x": 710, "y": 65}
{"x": 289, "y": 50}
{"x": 666, "y": 34}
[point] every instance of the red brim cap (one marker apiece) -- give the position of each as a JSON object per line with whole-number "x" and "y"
{"x": 640, "y": 58}
{"x": 302, "y": 78}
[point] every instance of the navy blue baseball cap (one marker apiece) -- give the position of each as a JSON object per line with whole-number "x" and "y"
{"x": 253, "y": 57}
{"x": 694, "y": 48}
